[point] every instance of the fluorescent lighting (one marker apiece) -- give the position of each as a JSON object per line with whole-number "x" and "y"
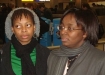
{"x": 44, "y": 0}
{"x": 27, "y": 0}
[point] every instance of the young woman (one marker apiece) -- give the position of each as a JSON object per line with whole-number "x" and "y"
{"x": 77, "y": 54}
{"x": 23, "y": 55}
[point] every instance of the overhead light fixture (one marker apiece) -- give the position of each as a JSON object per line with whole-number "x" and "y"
{"x": 28, "y": 0}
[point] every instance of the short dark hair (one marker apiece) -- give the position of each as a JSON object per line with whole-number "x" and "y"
{"x": 87, "y": 20}
{"x": 18, "y": 14}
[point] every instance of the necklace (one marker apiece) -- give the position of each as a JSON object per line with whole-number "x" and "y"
{"x": 74, "y": 58}
{"x": 71, "y": 60}
{"x": 69, "y": 63}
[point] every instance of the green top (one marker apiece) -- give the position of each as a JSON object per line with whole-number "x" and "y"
{"x": 16, "y": 62}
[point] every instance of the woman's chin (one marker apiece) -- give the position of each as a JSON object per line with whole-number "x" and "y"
{"x": 65, "y": 43}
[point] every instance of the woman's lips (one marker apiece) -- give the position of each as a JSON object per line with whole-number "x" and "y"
{"x": 64, "y": 39}
{"x": 25, "y": 36}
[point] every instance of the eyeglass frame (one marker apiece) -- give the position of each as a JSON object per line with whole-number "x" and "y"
{"x": 66, "y": 28}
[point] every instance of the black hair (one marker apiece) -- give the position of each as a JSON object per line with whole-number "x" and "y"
{"x": 18, "y": 14}
{"x": 88, "y": 21}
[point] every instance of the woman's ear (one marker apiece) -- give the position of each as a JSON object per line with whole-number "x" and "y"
{"x": 12, "y": 29}
{"x": 85, "y": 35}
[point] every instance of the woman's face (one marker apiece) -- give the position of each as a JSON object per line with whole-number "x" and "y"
{"x": 72, "y": 35}
{"x": 23, "y": 29}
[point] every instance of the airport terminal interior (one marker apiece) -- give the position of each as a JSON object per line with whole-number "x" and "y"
{"x": 56, "y": 8}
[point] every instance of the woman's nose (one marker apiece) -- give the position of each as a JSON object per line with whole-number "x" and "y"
{"x": 24, "y": 29}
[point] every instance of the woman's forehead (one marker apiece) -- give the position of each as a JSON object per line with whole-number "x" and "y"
{"x": 69, "y": 19}
{"x": 22, "y": 16}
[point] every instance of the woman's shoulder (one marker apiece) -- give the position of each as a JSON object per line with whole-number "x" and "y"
{"x": 6, "y": 45}
{"x": 5, "y": 49}
{"x": 96, "y": 54}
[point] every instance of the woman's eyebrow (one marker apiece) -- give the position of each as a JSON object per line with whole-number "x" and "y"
{"x": 69, "y": 24}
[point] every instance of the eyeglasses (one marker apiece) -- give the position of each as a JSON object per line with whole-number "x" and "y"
{"x": 60, "y": 28}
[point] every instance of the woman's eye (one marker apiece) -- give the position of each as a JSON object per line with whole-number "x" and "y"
{"x": 28, "y": 25}
{"x": 18, "y": 26}
{"x": 69, "y": 28}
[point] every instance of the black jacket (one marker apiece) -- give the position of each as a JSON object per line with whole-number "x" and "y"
{"x": 41, "y": 60}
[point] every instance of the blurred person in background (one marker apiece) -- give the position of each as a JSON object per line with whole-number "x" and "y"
{"x": 86, "y": 6}
{"x": 3, "y": 15}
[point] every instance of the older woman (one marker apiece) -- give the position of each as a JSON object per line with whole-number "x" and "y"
{"x": 77, "y": 54}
